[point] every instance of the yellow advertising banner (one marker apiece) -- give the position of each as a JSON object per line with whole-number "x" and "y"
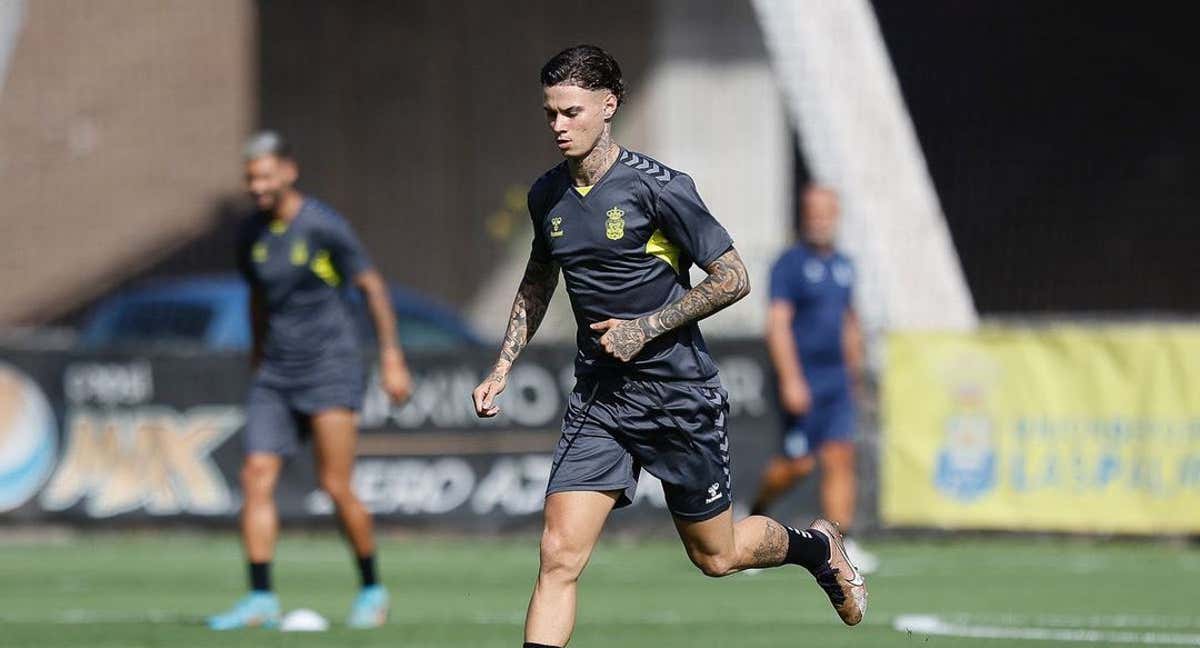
{"x": 1068, "y": 428}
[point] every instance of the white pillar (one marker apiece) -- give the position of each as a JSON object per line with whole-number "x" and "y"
{"x": 857, "y": 137}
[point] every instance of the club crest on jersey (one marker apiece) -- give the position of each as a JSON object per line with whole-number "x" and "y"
{"x": 299, "y": 253}
{"x": 556, "y": 227}
{"x": 615, "y": 226}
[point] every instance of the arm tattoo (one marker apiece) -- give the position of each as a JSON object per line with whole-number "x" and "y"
{"x": 772, "y": 549}
{"x": 528, "y": 309}
{"x": 727, "y": 282}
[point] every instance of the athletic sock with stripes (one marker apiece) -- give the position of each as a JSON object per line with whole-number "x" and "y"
{"x": 805, "y": 548}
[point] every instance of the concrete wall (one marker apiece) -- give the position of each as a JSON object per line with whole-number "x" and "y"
{"x": 120, "y": 123}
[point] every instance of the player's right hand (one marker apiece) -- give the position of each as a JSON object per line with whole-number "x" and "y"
{"x": 795, "y": 397}
{"x": 484, "y": 396}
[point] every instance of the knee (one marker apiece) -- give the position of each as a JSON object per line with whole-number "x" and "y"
{"x": 801, "y": 466}
{"x": 712, "y": 565}
{"x": 838, "y": 456}
{"x": 561, "y": 560}
{"x": 258, "y": 477}
{"x": 336, "y": 486}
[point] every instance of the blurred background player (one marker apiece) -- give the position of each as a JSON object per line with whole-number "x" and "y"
{"x": 624, "y": 230}
{"x": 309, "y": 378}
{"x": 816, "y": 346}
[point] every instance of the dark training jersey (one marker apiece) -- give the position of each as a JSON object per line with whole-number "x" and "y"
{"x": 299, "y": 267}
{"x": 625, "y": 247}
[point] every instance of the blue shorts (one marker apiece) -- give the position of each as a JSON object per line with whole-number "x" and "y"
{"x": 615, "y": 426}
{"x": 831, "y": 418}
{"x": 277, "y": 418}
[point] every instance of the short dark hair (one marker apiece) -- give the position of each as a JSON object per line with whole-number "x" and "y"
{"x": 266, "y": 142}
{"x": 586, "y": 66}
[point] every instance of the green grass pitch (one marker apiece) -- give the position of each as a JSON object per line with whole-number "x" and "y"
{"x": 148, "y": 589}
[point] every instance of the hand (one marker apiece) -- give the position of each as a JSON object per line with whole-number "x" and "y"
{"x": 397, "y": 382}
{"x": 622, "y": 339}
{"x": 795, "y": 397}
{"x": 484, "y": 396}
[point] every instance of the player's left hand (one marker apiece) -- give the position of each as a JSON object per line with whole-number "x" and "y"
{"x": 622, "y": 339}
{"x": 397, "y": 381}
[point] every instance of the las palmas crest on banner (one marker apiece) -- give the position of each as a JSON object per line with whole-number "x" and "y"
{"x": 967, "y": 465}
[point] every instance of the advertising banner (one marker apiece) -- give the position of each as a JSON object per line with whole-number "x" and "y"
{"x": 1092, "y": 429}
{"x": 91, "y": 437}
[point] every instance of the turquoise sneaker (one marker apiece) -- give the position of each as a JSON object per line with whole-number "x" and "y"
{"x": 254, "y": 610}
{"x": 370, "y": 609}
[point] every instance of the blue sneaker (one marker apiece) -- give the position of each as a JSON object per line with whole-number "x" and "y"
{"x": 254, "y": 610}
{"x": 370, "y": 608}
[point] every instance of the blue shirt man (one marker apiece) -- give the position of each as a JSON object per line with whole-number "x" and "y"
{"x": 815, "y": 344}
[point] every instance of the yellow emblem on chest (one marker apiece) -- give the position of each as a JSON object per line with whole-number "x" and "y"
{"x": 299, "y": 253}
{"x": 259, "y": 252}
{"x": 556, "y": 226}
{"x": 614, "y": 228}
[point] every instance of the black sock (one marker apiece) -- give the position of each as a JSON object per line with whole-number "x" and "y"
{"x": 806, "y": 548}
{"x": 260, "y": 576}
{"x": 366, "y": 570}
{"x": 529, "y": 644}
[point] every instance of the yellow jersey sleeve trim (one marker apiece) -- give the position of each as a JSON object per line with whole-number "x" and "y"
{"x": 322, "y": 266}
{"x": 661, "y": 247}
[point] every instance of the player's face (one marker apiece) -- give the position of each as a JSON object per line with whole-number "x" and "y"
{"x": 577, "y": 117}
{"x": 268, "y": 178}
{"x": 820, "y": 217}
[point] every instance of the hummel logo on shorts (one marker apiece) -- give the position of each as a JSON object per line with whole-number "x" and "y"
{"x": 714, "y": 493}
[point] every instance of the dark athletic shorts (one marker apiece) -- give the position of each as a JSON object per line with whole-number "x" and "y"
{"x": 831, "y": 418}
{"x": 277, "y": 418}
{"x": 615, "y": 426}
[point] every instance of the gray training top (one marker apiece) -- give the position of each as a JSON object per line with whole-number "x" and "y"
{"x": 299, "y": 267}
{"x": 625, "y": 248}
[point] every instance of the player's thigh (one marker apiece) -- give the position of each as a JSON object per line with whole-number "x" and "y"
{"x": 705, "y": 538}
{"x": 271, "y": 426}
{"x": 801, "y": 466}
{"x": 836, "y": 452}
{"x": 573, "y": 521}
{"x": 837, "y": 456}
{"x": 335, "y": 442}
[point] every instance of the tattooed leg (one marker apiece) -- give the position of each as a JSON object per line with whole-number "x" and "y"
{"x": 720, "y": 547}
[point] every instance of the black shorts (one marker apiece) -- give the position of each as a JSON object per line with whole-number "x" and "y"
{"x": 614, "y": 426}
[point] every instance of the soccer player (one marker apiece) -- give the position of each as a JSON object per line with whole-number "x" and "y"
{"x": 623, "y": 229}
{"x": 816, "y": 346}
{"x": 309, "y": 378}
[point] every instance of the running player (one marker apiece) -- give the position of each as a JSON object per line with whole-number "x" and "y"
{"x": 816, "y": 345}
{"x": 624, "y": 229}
{"x": 295, "y": 252}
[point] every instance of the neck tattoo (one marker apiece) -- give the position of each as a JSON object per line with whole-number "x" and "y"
{"x": 586, "y": 171}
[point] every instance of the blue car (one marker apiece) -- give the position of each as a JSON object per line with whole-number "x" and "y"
{"x": 210, "y": 313}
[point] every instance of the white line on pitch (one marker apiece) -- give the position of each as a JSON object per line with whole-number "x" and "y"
{"x": 927, "y": 624}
